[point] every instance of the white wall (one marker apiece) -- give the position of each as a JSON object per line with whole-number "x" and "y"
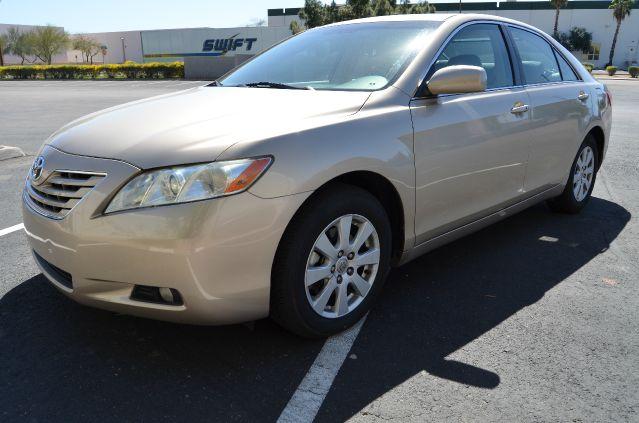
{"x": 175, "y": 44}
{"x": 284, "y": 21}
{"x": 15, "y": 60}
{"x": 113, "y": 42}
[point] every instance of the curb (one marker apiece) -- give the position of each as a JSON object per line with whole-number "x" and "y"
{"x": 7, "y": 153}
{"x": 612, "y": 78}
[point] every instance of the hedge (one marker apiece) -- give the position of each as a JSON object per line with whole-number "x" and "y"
{"x": 633, "y": 71}
{"x": 129, "y": 70}
{"x": 611, "y": 70}
{"x": 589, "y": 66}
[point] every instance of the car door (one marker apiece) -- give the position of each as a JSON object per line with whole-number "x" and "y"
{"x": 560, "y": 109}
{"x": 470, "y": 149}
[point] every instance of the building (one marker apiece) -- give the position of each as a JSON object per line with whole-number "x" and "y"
{"x": 117, "y": 47}
{"x": 212, "y": 51}
{"x": 594, "y": 15}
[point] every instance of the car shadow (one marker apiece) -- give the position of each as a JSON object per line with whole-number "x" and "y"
{"x": 444, "y": 300}
{"x": 60, "y": 361}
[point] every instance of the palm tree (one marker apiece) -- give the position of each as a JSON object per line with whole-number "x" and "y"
{"x": 3, "y": 47}
{"x": 557, "y": 4}
{"x": 620, "y": 9}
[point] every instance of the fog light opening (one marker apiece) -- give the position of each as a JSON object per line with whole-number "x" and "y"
{"x": 156, "y": 295}
{"x": 167, "y": 295}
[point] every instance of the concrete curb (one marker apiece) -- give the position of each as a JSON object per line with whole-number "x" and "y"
{"x": 7, "y": 153}
{"x": 612, "y": 78}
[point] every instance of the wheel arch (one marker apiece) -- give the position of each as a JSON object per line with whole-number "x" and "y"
{"x": 384, "y": 191}
{"x": 600, "y": 138}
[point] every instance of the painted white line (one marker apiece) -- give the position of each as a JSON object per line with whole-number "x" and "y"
{"x": 309, "y": 396}
{"x": 13, "y": 228}
{"x": 194, "y": 83}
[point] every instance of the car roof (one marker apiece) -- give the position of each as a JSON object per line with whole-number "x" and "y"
{"x": 433, "y": 17}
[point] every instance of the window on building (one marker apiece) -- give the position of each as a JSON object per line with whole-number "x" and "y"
{"x": 593, "y": 53}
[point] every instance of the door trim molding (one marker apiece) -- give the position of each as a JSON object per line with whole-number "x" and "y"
{"x": 478, "y": 224}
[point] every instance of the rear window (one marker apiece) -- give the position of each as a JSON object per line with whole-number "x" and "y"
{"x": 538, "y": 59}
{"x": 567, "y": 74}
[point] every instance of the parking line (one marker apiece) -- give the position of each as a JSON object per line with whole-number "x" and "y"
{"x": 13, "y": 228}
{"x": 310, "y": 394}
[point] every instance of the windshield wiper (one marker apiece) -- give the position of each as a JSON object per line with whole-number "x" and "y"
{"x": 273, "y": 85}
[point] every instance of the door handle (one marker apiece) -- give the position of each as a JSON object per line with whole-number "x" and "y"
{"x": 518, "y": 108}
{"x": 583, "y": 95}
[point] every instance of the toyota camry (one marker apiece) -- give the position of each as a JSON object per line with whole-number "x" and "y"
{"x": 289, "y": 187}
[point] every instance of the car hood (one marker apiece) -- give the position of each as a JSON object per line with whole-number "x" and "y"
{"x": 197, "y": 125}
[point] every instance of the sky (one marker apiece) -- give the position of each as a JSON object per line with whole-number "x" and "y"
{"x": 77, "y": 16}
{"x": 118, "y": 15}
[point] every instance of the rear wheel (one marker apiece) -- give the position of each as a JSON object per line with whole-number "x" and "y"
{"x": 581, "y": 182}
{"x": 331, "y": 263}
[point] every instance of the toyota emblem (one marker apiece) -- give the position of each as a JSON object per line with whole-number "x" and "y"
{"x": 36, "y": 169}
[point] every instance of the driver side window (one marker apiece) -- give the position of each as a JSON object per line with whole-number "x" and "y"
{"x": 479, "y": 45}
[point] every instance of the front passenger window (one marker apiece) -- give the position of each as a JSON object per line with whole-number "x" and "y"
{"x": 538, "y": 60}
{"x": 479, "y": 45}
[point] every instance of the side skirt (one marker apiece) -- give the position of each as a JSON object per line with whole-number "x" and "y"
{"x": 469, "y": 228}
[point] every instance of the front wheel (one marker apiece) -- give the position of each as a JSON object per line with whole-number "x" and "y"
{"x": 331, "y": 263}
{"x": 581, "y": 181}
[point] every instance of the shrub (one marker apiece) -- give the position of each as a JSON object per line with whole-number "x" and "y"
{"x": 129, "y": 70}
{"x": 611, "y": 70}
{"x": 589, "y": 66}
{"x": 633, "y": 71}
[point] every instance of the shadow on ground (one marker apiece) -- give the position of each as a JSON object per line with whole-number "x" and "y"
{"x": 60, "y": 361}
{"x": 437, "y": 304}
{"x": 63, "y": 362}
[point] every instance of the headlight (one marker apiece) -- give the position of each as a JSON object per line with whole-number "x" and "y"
{"x": 182, "y": 184}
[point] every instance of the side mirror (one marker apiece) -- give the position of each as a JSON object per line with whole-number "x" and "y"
{"x": 457, "y": 79}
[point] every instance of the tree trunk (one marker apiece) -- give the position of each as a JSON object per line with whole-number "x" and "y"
{"x": 614, "y": 43}
{"x": 1, "y": 55}
{"x": 554, "y": 31}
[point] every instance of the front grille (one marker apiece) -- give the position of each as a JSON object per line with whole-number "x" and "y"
{"x": 61, "y": 191}
{"x": 62, "y": 277}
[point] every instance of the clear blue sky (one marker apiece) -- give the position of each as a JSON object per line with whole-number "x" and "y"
{"x": 120, "y": 15}
{"x": 117, "y": 15}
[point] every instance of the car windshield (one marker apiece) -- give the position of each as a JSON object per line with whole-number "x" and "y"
{"x": 366, "y": 56}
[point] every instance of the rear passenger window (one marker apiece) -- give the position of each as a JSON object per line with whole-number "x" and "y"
{"x": 537, "y": 57}
{"x": 567, "y": 74}
{"x": 479, "y": 45}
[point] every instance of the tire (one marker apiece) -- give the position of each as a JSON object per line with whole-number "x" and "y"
{"x": 299, "y": 259}
{"x": 569, "y": 201}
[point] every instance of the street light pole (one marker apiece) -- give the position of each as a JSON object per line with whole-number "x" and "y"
{"x": 123, "y": 50}
{"x": 460, "y": 6}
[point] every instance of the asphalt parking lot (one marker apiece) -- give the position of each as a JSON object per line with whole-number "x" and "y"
{"x": 533, "y": 319}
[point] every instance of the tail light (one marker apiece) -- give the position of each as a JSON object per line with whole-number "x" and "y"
{"x": 609, "y": 98}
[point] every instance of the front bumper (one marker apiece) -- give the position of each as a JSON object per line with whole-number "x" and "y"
{"x": 217, "y": 253}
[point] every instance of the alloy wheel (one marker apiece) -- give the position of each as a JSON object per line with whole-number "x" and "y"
{"x": 342, "y": 266}
{"x": 583, "y": 174}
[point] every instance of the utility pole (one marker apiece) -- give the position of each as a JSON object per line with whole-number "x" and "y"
{"x": 123, "y": 50}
